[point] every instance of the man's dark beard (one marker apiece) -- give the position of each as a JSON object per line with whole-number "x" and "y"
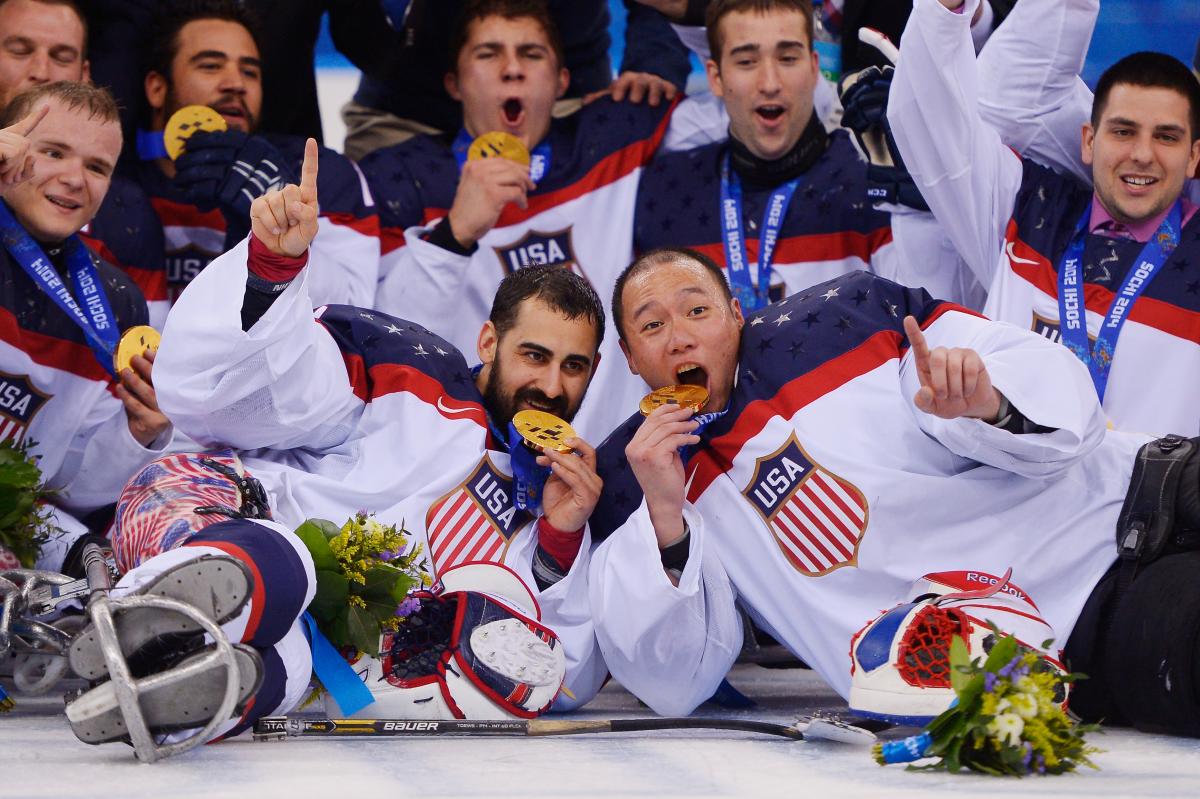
{"x": 502, "y": 408}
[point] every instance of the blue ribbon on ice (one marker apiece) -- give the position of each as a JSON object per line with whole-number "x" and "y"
{"x": 339, "y": 679}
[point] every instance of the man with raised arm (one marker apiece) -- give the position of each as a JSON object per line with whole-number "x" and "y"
{"x": 362, "y": 410}
{"x": 1109, "y": 269}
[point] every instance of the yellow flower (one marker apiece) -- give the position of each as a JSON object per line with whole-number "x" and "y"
{"x": 1007, "y": 728}
{"x": 357, "y": 601}
{"x": 1025, "y": 705}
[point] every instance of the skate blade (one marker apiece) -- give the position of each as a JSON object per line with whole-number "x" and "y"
{"x": 218, "y": 586}
{"x": 96, "y": 717}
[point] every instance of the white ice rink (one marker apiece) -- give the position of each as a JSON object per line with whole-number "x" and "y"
{"x": 39, "y": 757}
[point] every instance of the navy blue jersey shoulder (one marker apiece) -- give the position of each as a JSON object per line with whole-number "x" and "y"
{"x": 129, "y": 228}
{"x": 1049, "y": 205}
{"x": 339, "y": 186}
{"x": 380, "y": 338}
{"x": 36, "y": 312}
{"x": 679, "y": 198}
{"x": 582, "y": 140}
{"x": 409, "y": 177}
{"x": 781, "y": 342}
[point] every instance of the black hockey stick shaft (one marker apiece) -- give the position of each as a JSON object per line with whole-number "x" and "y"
{"x": 278, "y": 727}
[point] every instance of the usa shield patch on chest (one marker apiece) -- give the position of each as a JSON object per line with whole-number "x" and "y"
{"x": 19, "y": 403}
{"x": 475, "y": 520}
{"x": 536, "y": 247}
{"x": 817, "y": 518}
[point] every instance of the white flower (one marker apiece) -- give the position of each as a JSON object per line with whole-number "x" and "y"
{"x": 1026, "y": 685}
{"x": 1025, "y": 705}
{"x": 1007, "y": 728}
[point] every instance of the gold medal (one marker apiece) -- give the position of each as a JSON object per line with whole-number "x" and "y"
{"x": 543, "y": 430}
{"x": 497, "y": 143}
{"x": 692, "y": 397}
{"x": 135, "y": 341}
{"x": 185, "y": 122}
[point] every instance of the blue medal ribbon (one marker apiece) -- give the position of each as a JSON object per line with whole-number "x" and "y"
{"x": 1072, "y": 313}
{"x": 539, "y": 158}
{"x": 528, "y": 478}
{"x": 151, "y": 146}
{"x": 99, "y": 325}
{"x": 337, "y": 676}
{"x": 751, "y": 298}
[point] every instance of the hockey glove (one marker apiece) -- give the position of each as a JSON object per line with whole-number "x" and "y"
{"x": 864, "y": 96}
{"x": 229, "y": 170}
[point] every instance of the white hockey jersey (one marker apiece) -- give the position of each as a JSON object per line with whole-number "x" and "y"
{"x": 358, "y": 411}
{"x": 824, "y": 494}
{"x": 1011, "y": 220}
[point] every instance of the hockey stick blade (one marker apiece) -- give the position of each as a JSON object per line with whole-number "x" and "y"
{"x": 273, "y": 728}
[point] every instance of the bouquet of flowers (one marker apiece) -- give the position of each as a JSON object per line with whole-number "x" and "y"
{"x": 365, "y": 570}
{"x": 1007, "y": 720}
{"x": 24, "y": 525}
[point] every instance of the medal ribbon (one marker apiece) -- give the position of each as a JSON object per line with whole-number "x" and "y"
{"x": 150, "y": 145}
{"x": 339, "y": 677}
{"x": 1072, "y": 313}
{"x": 528, "y": 478}
{"x": 734, "y": 239}
{"x": 99, "y": 325}
{"x": 539, "y": 158}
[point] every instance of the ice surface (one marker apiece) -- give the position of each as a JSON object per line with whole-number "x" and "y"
{"x": 39, "y": 757}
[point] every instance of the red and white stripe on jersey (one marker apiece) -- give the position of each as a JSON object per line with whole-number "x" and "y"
{"x": 474, "y": 521}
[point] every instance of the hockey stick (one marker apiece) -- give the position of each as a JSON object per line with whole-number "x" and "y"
{"x": 274, "y": 728}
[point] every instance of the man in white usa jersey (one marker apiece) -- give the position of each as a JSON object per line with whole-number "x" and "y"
{"x": 362, "y": 410}
{"x": 859, "y": 437}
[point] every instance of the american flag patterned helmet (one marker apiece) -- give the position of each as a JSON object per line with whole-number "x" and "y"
{"x": 176, "y": 496}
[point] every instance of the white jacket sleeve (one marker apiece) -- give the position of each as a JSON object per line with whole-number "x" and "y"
{"x": 281, "y": 384}
{"x": 1029, "y": 85}
{"x": 343, "y": 265}
{"x": 670, "y": 646}
{"x": 1044, "y": 380}
{"x": 565, "y": 609}
{"x": 965, "y": 173}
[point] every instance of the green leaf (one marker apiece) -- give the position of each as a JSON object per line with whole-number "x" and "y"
{"x": 968, "y": 698}
{"x": 330, "y": 601}
{"x": 363, "y": 631}
{"x": 402, "y": 586}
{"x": 1003, "y": 652}
{"x": 959, "y": 656}
{"x": 315, "y": 540}
{"x": 327, "y": 528}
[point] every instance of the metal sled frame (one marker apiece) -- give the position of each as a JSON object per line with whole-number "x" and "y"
{"x": 129, "y": 690}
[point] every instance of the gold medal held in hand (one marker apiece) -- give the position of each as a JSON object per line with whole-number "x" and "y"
{"x": 186, "y": 121}
{"x": 685, "y": 396}
{"x": 499, "y": 144}
{"x": 543, "y": 430}
{"x": 135, "y": 341}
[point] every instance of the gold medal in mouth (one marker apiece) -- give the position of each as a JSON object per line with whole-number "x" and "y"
{"x": 186, "y": 121}
{"x": 498, "y": 144}
{"x": 135, "y": 341}
{"x": 685, "y": 396}
{"x": 542, "y": 430}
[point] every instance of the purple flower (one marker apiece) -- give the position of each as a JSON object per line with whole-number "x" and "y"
{"x": 1028, "y": 755}
{"x": 989, "y": 681}
{"x": 408, "y": 607}
{"x": 1007, "y": 670}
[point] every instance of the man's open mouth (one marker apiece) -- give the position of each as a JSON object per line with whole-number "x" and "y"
{"x": 512, "y": 110}
{"x": 770, "y": 112}
{"x": 63, "y": 202}
{"x": 690, "y": 374}
{"x": 1139, "y": 181}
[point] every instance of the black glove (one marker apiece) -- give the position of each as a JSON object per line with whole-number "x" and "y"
{"x": 229, "y": 170}
{"x": 864, "y": 96}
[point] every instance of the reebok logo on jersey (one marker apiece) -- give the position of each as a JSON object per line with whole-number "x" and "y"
{"x": 19, "y": 403}
{"x": 817, "y": 518}
{"x": 536, "y": 247}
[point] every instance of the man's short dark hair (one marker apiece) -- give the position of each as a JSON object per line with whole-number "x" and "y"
{"x": 658, "y": 257}
{"x": 508, "y": 9}
{"x": 719, "y": 9}
{"x": 1150, "y": 70}
{"x": 74, "y": 6}
{"x": 95, "y": 100}
{"x": 175, "y": 14}
{"x": 555, "y": 285}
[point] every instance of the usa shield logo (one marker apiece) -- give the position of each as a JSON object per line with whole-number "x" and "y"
{"x": 817, "y": 518}
{"x": 1051, "y": 329}
{"x": 19, "y": 403}
{"x": 475, "y": 521}
{"x": 536, "y": 247}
